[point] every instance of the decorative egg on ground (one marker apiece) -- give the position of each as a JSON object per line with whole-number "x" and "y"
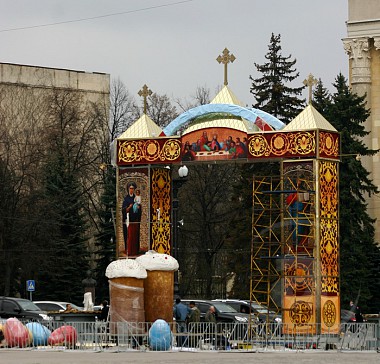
{"x": 16, "y": 334}
{"x": 63, "y": 335}
{"x": 40, "y": 333}
{"x": 160, "y": 336}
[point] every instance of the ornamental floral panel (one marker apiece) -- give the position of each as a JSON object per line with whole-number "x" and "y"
{"x": 329, "y": 247}
{"x": 161, "y": 210}
{"x": 153, "y": 151}
{"x": 328, "y": 145}
{"x": 285, "y": 144}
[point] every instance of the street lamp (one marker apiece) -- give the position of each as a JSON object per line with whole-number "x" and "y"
{"x": 183, "y": 172}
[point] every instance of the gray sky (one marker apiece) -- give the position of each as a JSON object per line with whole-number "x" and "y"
{"x": 172, "y": 45}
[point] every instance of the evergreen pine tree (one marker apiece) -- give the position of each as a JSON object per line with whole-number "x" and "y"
{"x": 105, "y": 239}
{"x": 61, "y": 279}
{"x": 321, "y": 98}
{"x": 271, "y": 91}
{"x": 359, "y": 254}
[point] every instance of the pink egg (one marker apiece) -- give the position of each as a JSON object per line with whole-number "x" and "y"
{"x": 63, "y": 335}
{"x": 16, "y": 334}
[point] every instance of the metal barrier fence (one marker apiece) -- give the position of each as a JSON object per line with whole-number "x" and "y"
{"x": 124, "y": 336}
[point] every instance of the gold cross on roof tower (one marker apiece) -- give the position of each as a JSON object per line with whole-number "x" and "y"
{"x": 145, "y": 92}
{"x": 226, "y": 58}
{"x": 310, "y": 81}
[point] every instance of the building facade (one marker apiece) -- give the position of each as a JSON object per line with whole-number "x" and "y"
{"x": 363, "y": 48}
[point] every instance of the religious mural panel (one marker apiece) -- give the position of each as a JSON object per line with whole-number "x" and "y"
{"x": 219, "y": 143}
{"x": 132, "y": 217}
{"x": 214, "y": 144}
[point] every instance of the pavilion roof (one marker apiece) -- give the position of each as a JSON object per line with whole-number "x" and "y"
{"x": 144, "y": 127}
{"x": 309, "y": 119}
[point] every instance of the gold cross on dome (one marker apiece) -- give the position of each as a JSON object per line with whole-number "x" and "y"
{"x": 310, "y": 81}
{"x": 145, "y": 92}
{"x": 226, "y": 58}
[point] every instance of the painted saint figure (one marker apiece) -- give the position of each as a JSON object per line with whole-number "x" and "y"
{"x": 131, "y": 221}
{"x": 297, "y": 202}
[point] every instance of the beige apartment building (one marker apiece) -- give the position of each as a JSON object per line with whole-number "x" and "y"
{"x": 24, "y": 117}
{"x": 93, "y": 84}
{"x": 363, "y": 48}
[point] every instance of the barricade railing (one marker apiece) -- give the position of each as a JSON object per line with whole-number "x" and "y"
{"x": 124, "y": 336}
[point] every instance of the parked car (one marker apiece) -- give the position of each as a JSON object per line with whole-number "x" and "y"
{"x": 56, "y": 306}
{"x": 22, "y": 309}
{"x": 260, "y": 311}
{"x": 223, "y": 311}
{"x": 232, "y": 326}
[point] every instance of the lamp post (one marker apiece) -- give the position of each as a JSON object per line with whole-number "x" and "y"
{"x": 177, "y": 183}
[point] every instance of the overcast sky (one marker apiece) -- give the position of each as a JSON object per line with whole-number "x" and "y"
{"x": 172, "y": 45}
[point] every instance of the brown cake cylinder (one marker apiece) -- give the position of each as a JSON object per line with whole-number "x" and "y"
{"x": 127, "y": 297}
{"x": 159, "y": 296}
{"x": 126, "y": 285}
{"x": 159, "y": 285}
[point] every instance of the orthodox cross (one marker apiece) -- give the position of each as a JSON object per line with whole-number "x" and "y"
{"x": 310, "y": 81}
{"x": 145, "y": 92}
{"x": 226, "y": 58}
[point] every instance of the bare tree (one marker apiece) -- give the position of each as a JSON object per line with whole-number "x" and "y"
{"x": 160, "y": 109}
{"x": 123, "y": 109}
{"x": 201, "y": 97}
{"x": 206, "y": 227}
{"x": 20, "y": 145}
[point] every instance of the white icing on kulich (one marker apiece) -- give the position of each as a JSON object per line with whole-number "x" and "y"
{"x": 152, "y": 260}
{"x": 126, "y": 268}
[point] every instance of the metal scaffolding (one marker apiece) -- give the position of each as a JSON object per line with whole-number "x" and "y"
{"x": 283, "y": 238}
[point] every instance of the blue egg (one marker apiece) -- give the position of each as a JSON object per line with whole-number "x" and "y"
{"x": 160, "y": 336}
{"x": 40, "y": 333}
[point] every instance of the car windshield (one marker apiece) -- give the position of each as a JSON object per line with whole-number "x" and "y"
{"x": 260, "y": 309}
{"x": 223, "y": 307}
{"x": 28, "y": 306}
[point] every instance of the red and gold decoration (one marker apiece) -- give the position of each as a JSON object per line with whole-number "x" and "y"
{"x": 329, "y": 247}
{"x": 148, "y": 151}
{"x": 307, "y": 238}
{"x": 161, "y": 210}
{"x": 328, "y": 145}
{"x": 161, "y": 150}
{"x": 286, "y": 144}
{"x": 299, "y": 295}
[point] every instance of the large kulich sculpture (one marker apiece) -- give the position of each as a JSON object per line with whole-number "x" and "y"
{"x": 158, "y": 286}
{"x": 126, "y": 285}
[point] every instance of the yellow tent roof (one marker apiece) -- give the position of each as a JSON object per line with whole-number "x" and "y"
{"x": 309, "y": 119}
{"x": 226, "y": 96}
{"x": 144, "y": 127}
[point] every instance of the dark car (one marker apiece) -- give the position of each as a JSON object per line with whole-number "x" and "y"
{"x": 255, "y": 308}
{"x": 231, "y": 325}
{"x": 22, "y": 309}
{"x": 223, "y": 311}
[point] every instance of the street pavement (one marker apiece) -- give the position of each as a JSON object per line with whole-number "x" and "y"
{"x": 30, "y": 356}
